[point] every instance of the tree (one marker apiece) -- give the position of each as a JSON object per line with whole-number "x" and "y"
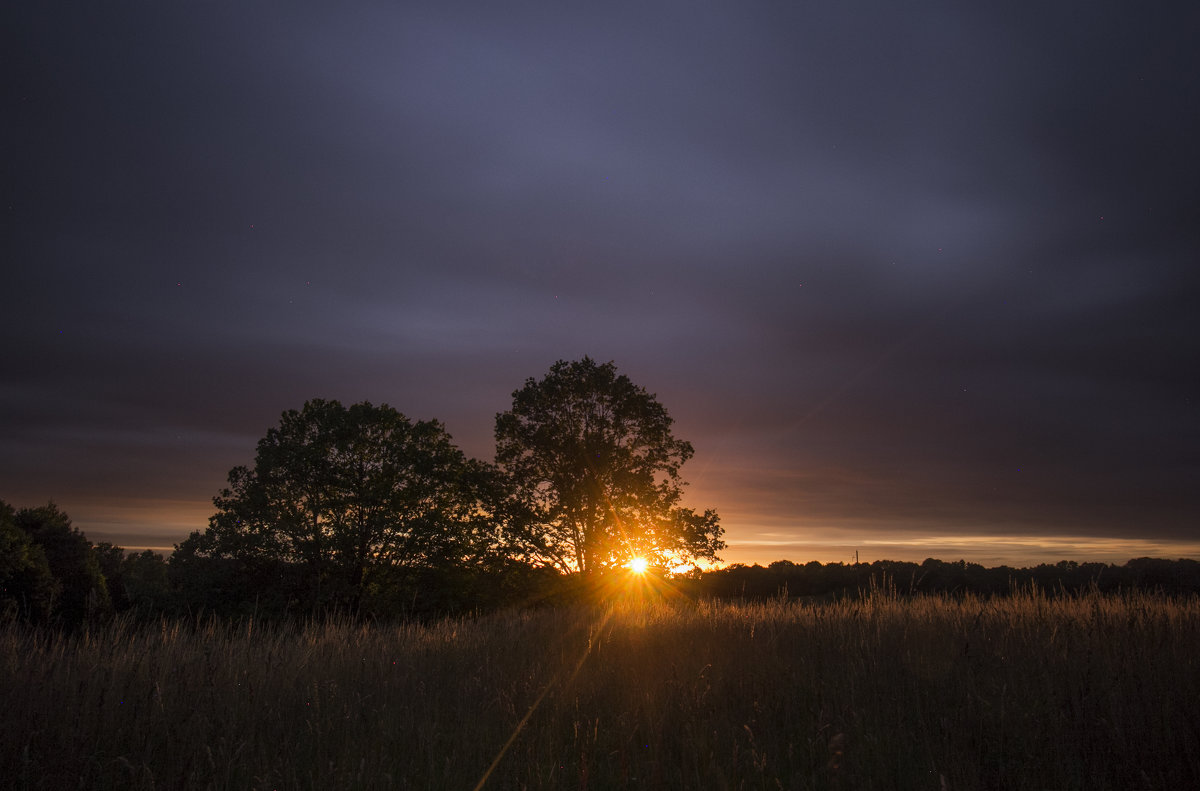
{"x": 27, "y": 588}
{"x": 343, "y": 490}
{"x": 135, "y": 580}
{"x": 111, "y": 557}
{"x": 72, "y": 561}
{"x": 593, "y": 460}
{"x": 144, "y": 575}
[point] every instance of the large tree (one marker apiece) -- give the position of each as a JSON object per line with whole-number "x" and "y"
{"x": 594, "y": 461}
{"x": 341, "y": 490}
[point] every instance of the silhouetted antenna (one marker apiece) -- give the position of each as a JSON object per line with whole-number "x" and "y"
{"x": 856, "y": 557}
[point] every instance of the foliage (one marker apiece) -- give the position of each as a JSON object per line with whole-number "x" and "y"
{"x": 594, "y": 463}
{"x": 1088, "y": 691}
{"x": 144, "y": 577}
{"x": 343, "y": 490}
{"x": 433, "y": 592}
{"x": 135, "y": 580}
{"x": 27, "y": 588}
{"x": 83, "y": 592}
{"x": 110, "y": 557}
{"x": 204, "y": 581}
{"x": 813, "y": 579}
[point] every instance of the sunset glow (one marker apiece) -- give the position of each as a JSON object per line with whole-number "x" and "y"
{"x": 638, "y": 565}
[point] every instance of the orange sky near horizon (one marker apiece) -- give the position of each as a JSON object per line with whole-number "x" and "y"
{"x": 160, "y": 525}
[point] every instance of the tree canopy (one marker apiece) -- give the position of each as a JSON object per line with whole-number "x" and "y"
{"x": 592, "y": 459}
{"x": 341, "y": 491}
{"x": 82, "y": 591}
{"x": 27, "y": 587}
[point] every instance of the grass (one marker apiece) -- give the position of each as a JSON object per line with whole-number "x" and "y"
{"x": 881, "y": 692}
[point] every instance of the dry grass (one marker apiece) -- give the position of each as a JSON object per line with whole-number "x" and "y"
{"x": 929, "y": 693}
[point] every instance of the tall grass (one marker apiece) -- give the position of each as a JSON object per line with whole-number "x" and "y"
{"x": 880, "y": 692}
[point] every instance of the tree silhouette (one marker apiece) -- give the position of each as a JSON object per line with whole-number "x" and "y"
{"x": 344, "y": 490}
{"x": 71, "y": 560}
{"x": 594, "y": 462}
{"x": 135, "y": 580}
{"x": 110, "y": 557}
{"x": 144, "y": 575}
{"x": 27, "y": 588}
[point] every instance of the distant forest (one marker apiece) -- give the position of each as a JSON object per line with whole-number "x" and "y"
{"x": 50, "y": 573}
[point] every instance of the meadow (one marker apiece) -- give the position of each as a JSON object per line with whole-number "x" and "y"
{"x": 878, "y": 692}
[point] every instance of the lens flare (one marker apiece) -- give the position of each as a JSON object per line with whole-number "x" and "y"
{"x": 639, "y": 565}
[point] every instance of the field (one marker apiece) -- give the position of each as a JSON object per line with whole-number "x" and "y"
{"x": 881, "y": 692}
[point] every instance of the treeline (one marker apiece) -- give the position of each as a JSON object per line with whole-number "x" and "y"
{"x": 836, "y": 580}
{"x": 50, "y": 573}
{"x": 359, "y": 510}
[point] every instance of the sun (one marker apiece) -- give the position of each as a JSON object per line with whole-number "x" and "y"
{"x": 638, "y": 565}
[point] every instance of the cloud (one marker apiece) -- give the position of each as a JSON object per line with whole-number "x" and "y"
{"x": 874, "y": 261}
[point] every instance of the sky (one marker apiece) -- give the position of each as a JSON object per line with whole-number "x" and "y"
{"x": 915, "y": 280}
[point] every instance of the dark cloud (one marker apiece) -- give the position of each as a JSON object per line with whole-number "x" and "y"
{"x": 902, "y": 275}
